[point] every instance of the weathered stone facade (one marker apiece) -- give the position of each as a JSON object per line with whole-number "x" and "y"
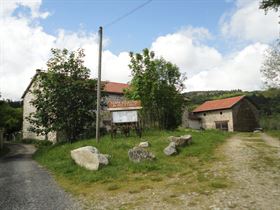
{"x": 209, "y": 118}
{"x": 27, "y": 110}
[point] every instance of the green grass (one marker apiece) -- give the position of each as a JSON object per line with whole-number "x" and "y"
{"x": 121, "y": 173}
{"x": 274, "y": 133}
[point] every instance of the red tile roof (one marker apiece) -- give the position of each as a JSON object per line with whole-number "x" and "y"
{"x": 226, "y": 103}
{"x": 115, "y": 87}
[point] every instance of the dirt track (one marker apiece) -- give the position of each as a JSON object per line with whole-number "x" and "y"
{"x": 254, "y": 165}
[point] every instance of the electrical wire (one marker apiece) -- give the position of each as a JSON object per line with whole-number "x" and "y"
{"x": 127, "y": 14}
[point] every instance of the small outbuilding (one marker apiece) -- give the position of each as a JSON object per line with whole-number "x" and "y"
{"x": 230, "y": 114}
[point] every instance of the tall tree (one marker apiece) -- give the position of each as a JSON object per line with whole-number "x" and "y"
{"x": 270, "y": 5}
{"x": 64, "y": 96}
{"x": 158, "y": 84}
{"x": 271, "y": 66}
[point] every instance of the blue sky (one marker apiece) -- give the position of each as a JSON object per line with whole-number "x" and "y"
{"x": 218, "y": 44}
{"x": 140, "y": 29}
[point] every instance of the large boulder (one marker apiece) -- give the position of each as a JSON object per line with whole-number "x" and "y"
{"x": 181, "y": 141}
{"x": 170, "y": 149}
{"x": 144, "y": 144}
{"x": 89, "y": 158}
{"x": 137, "y": 154}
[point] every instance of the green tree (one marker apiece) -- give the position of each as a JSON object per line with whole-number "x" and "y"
{"x": 10, "y": 117}
{"x": 65, "y": 96}
{"x": 158, "y": 84}
{"x": 271, "y": 66}
{"x": 270, "y": 4}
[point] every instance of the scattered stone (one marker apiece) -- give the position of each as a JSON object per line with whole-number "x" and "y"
{"x": 103, "y": 160}
{"x": 181, "y": 141}
{"x": 170, "y": 149}
{"x": 137, "y": 154}
{"x": 89, "y": 158}
{"x": 144, "y": 144}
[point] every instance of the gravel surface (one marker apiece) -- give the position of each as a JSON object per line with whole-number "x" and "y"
{"x": 251, "y": 164}
{"x": 26, "y": 185}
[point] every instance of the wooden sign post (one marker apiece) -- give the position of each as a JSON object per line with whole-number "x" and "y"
{"x": 124, "y": 117}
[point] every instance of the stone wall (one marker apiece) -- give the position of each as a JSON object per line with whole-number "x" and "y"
{"x": 209, "y": 118}
{"x": 27, "y": 110}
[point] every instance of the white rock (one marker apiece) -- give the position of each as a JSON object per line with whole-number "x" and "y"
{"x": 170, "y": 149}
{"x": 89, "y": 158}
{"x": 144, "y": 144}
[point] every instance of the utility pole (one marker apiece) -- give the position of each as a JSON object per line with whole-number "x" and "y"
{"x": 99, "y": 86}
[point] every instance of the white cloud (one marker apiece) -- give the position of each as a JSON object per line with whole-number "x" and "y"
{"x": 238, "y": 71}
{"x": 7, "y": 7}
{"x": 25, "y": 46}
{"x": 206, "y": 68}
{"x": 248, "y": 22}
{"x": 186, "y": 51}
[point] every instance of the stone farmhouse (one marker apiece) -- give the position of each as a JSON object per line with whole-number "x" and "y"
{"x": 113, "y": 90}
{"x": 229, "y": 114}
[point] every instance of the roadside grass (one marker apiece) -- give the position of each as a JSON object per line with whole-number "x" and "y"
{"x": 192, "y": 166}
{"x": 274, "y": 133}
{"x": 4, "y": 151}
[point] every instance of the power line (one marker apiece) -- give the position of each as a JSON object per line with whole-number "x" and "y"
{"x": 127, "y": 14}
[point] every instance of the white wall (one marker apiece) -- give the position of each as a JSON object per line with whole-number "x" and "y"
{"x": 208, "y": 120}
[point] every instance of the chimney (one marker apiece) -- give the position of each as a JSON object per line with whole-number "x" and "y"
{"x": 38, "y": 71}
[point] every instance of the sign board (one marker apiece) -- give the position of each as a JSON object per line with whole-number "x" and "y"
{"x": 125, "y": 116}
{"x": 124, "y": 104}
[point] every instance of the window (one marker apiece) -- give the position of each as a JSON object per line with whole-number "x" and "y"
{"x": 222, "y": 125}
{"x": 221, "y": 113}
{"x": 204, "y": 114}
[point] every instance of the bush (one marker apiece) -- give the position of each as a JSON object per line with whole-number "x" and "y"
{"x": 270, "y": 122}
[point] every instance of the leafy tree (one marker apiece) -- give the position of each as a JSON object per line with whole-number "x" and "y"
{"x": 158, "y": 84}
{"x": 64, "y": 96}
{"x": 10, "y": 117}
{"x": 271, "y": 66}
{"x": 270, "y": 4}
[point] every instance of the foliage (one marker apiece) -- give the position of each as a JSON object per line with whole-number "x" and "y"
{"x": 271, "y": 66}
{"x": 270, "y": 122}
{"x": 64, "y": 96}
{"x": 191, "y": 160}
{"x": 10, "y": 117}
{"x": 270, "y": 4}
{"x": 157, "y": 83}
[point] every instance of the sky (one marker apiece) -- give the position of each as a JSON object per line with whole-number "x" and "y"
{"x": 218, "y": 44}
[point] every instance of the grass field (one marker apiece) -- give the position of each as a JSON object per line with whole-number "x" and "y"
{"x": 191, "y": 164}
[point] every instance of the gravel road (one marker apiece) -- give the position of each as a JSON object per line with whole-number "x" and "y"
{"x": 26, "y": 185}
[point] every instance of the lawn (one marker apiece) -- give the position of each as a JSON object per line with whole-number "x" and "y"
{"x": 191, "y": 164}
